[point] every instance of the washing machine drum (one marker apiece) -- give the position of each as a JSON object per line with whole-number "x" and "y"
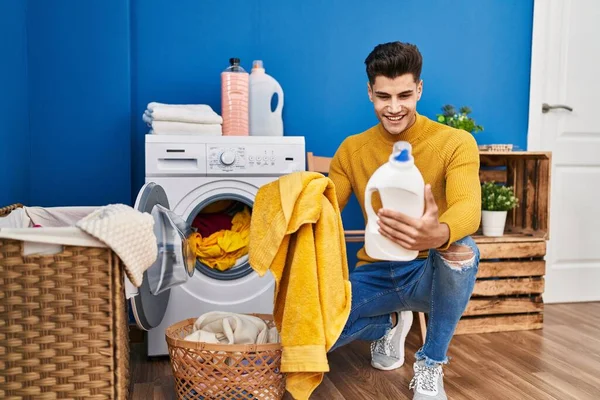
{"x": 221, "y": 226}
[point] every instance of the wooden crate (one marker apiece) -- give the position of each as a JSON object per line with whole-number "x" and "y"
{"x": 510, "y": 282}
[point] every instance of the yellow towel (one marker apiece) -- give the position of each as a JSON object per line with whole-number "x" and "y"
{"x": 296, "y": 232}
{"x": 222, "y": 249}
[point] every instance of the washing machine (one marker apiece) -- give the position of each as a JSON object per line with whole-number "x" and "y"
{"x": 186, "y": 175}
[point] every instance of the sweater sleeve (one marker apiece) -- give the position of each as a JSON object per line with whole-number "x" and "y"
{"x": 339, "y": 177}
{"x": 463, "y": 191}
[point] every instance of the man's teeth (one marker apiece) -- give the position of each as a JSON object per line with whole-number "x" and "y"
{"x": 395, "y": 118}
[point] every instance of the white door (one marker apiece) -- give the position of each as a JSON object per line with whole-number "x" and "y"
{"x": 564, "y": 72}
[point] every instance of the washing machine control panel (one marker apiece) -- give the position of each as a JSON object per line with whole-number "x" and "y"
{"x": 254, "y": 159}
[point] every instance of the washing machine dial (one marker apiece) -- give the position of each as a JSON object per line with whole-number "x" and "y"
{"x": 227, "y": 157}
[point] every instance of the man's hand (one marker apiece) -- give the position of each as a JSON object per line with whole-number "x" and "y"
{"x": 415, "y": 234}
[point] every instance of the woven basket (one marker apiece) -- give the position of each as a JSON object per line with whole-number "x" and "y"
{"x": 63, "y": 326}
{"x": 216, "y": 371}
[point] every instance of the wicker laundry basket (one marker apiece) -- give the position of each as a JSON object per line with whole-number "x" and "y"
{"x": 63, "y": 324}
{"x": 205, "y": 371}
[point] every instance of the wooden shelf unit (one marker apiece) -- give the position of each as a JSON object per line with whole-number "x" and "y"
{"x": 508, "y": 293}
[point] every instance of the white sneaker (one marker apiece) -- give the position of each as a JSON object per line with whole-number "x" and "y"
{"x": 387, "y": 353}
{"x": 428, "y": 382}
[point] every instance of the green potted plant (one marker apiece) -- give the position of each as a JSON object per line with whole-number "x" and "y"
{"x": 496, "y": 201}
{"x": 460, "y": 119}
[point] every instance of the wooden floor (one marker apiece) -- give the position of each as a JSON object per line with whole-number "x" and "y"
{"x": 561, "y": 361}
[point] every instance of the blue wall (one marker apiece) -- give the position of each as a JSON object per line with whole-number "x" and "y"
{"x": 94, "y": 66}
{"x": 476, "y": 53}
{"x": 14, "y": 113}
{"x": 80, "y": 102}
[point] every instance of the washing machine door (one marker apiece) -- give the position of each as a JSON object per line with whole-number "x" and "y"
{"x": 175, "y": 261}
{"x": 238, "y": 288}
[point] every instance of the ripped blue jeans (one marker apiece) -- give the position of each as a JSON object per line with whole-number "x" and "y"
{"x": 438, "y": 285}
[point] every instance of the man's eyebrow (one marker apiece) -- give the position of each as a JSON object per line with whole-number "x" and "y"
{"x": 409, "y": 91}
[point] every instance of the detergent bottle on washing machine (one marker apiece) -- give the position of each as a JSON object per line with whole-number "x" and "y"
{"x": 401, "y": 188}
{"x": 234, "y": 99}
{"x": 264, "y": 120}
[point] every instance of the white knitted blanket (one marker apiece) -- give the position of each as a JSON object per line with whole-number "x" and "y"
{"x": 128, "y": 232}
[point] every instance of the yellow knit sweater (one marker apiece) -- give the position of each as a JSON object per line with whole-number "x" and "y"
{"x": 448, "y": 159}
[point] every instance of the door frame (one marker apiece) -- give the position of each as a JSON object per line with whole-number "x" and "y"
{"x": 546, "y": 14}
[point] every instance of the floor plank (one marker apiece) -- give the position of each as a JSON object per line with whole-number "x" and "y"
{"x": 560, "y": 361}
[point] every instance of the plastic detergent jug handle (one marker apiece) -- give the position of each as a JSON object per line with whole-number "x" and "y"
{"x": 368, "y": 207}
{"x": 277, "y": 89}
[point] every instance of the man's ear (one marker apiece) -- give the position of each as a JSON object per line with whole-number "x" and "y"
{"x": 370, "y": 91}
{"x": 419, "y": 89}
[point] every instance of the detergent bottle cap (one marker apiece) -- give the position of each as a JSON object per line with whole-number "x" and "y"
{"x": 401, "y": 154}
{"x": 257, "y": 66}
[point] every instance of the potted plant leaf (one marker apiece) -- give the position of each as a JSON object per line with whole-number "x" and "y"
{"x": 458, "y": 119}
{"x": 496, "y": 201}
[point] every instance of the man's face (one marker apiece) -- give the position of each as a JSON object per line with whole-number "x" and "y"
{"x": 395, "y": 101}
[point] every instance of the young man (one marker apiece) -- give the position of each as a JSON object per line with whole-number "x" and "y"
{"x": 440, "y": 281}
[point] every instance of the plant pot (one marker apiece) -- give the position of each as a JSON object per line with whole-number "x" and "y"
{"x": 493, "y": 222}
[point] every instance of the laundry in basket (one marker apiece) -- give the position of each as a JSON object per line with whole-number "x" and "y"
{"x": 64, "y": 271}
{"x": 128, "y": 232}
{"x": 146, "y": 242}
{"x": 232, "y": 328}
{"x": 244, "y": 363}
{"x": 64, "y": 313}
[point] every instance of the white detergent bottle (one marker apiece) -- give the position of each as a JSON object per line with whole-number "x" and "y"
{"x": 263, "y": 120}
{"x": 401, "y": 188}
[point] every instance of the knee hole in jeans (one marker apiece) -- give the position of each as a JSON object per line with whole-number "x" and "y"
{"x": 458, "y": 256}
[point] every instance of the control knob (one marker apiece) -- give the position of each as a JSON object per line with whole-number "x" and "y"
{"x": 227, "y": 157}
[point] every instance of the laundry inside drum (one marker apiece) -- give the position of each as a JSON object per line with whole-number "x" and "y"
{"x": 220, "y": 238}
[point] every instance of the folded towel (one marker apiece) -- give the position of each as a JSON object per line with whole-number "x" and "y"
{"x": 128, "y": 232}
{"x": 185, "y": 128}
{"x": 296, "y": 232}
{"x": 201, "y": 107}
{"x": 198, "y": 113}
{"x": 231, "y": 328}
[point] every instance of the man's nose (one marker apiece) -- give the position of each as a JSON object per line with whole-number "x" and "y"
{"x": 395, "y": 106}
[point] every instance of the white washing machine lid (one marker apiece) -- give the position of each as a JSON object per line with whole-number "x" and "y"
{"x": 174, "y": 261}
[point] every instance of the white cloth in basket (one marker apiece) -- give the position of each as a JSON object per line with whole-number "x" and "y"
{"x": 16, "y": 219}
{"x": 46, "y": 217}
{"x": 128, "y": 232}
{"x": 231, "y": 328}
{"x": 56, "y": 217}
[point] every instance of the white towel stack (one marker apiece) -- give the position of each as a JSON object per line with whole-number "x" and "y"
{"x": 182, "y": 119}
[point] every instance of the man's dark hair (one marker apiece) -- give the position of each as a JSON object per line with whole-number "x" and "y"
{"x": 394, "y": 59}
